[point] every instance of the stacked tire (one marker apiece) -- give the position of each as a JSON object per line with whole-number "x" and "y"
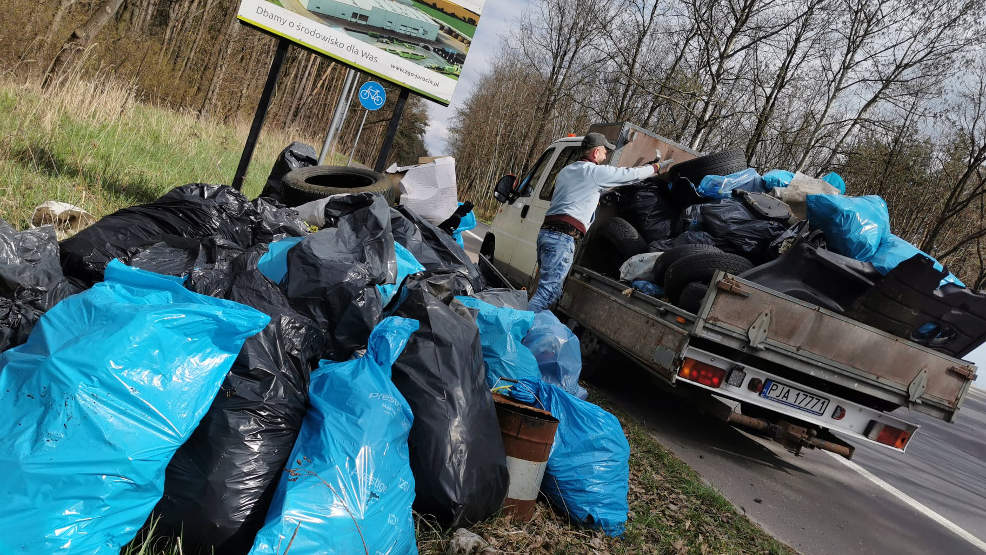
{"x": 686, "y": 271}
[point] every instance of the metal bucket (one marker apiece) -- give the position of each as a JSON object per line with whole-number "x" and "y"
{"x": 528, "y": 434}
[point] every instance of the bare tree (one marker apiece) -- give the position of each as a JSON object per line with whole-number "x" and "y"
{"x": 80, "y": 39}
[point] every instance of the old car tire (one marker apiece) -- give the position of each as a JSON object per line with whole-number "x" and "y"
{"x": 673, "y": 255}
{"x": 719, "y": 163}
{"x": 316, "y": 182}
{"x": 691, "y": 297}
{"x": 610, "y": 245}
{"x": 700, "y": 267}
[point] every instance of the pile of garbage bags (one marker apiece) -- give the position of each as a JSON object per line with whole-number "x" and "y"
{"x": 750, "y": 225}
{"x": 252, "y": 384}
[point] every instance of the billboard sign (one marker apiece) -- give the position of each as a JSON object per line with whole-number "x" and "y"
{"x": 419, "y": 45}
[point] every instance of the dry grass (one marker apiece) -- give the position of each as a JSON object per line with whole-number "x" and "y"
{"x": 92, "y": 144}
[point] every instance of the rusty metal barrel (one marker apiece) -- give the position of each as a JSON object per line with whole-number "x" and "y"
{"x": 528, "y": 434}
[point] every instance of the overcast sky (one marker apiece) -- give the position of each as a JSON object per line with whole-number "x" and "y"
{"x": 497, "y": 17}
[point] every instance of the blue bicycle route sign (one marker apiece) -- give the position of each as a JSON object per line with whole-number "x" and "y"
{"x": 372, "y": 95}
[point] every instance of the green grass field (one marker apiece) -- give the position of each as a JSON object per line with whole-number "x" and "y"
{"x": 459, "y": 25}
{"x": 96, "y": 147}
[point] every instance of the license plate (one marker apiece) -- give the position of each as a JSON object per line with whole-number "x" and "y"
{"x": 794, "y": 397}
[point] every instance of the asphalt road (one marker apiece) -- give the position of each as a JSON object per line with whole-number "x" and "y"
{"x": 814, "y": 502}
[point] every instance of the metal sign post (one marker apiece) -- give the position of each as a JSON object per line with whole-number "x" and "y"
{"x": 261, "y": 114}
{"x": 339, "y": 118}
{"x": 388, "y": 140}
{"x": 372, "y": 96}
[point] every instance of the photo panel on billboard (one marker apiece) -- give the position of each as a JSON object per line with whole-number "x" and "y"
{"x": 420, "y": 45}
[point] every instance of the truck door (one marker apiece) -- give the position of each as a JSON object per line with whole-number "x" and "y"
{"x": 540, "y": 201}
{"x": 509, "y": 225}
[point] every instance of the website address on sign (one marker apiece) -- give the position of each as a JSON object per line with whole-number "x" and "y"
{"x": 422, "y": 78}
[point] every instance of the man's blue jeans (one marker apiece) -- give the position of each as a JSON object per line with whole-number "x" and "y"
{"x": 555, "y": 254}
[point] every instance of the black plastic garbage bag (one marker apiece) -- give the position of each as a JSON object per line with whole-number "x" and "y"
{"x": 456, "y": 450}
{"x": 31, "y": 280}
{"x": 432, "y": 247}
{"x": 295, "y": 155}
{"x": 690, "y": 237}
{"x": 220, "y": 482}
{"x": 738, "y": 230}
{"x": 193, "y": 211}
{"x": 332, "y": 273}
{"x": 649, "y": 211}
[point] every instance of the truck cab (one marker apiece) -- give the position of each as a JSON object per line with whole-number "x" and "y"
{"x": 516, "y": 225}
{"x": 511, "y": 244}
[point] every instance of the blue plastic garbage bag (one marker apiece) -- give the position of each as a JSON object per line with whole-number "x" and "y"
{"x": 348, "y": 487}
{"x": 836, "y": 181}
{"x": 777, "y": 178}
{"x": 648, "y": 288}
{"x": 502, "y": 332}
{"x": 274, "y": 263}
{"x": 894, "y": 250}
{"x": 406, "y": 265}
{"x": 722, "y": 186}
{"x": 853, "y": 226}
{"x": 109, "y": 385}
{"x": 468, "y": 222}
{"x": 588, "y": 472}
{"x": 557, "y": 351}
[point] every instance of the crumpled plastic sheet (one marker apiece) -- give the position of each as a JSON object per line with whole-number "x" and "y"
{"x": 467, "y": 223}
{"x": 194, "y": 211}
{"x": 502, "y": 332}
{"x": 511, "y": 298}
{"x": 894, "y": 250}
{"x": 738, "y": 230}
{"x": 777, "y": 178}
{"x": 332, "y": 274}
{"x": 558, "y": 353}
{"x": 88, "y": 431}
{"x": 588, "y": 471}
{"x": 456, "y": 448}
{"x": 639, "y": 266}
{"x": 432, "y": 247}
{"x": 722, "y": 186}
{"x": 219, "y": 484}
{"x": 688, "y": 237}
{"x": 31, "y": 280}
{"x": 296, "y": 155}
{"x": 649, "y": 212}
{"x": 348, "y": 487}
{"x": 406, "y": 265}
{"x": 853, "y": 226}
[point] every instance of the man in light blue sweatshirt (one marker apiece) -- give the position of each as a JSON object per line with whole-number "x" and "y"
{"x": 577, "y": 190}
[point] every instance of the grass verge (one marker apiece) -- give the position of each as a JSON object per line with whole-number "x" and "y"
{"x": 94, "y": 145}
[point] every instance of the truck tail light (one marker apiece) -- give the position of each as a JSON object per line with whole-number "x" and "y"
{"x": 887, "y": 435}
{"x": 703, "y": 373}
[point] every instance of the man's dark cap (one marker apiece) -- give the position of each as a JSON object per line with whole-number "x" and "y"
{"x": 592, "y": 140}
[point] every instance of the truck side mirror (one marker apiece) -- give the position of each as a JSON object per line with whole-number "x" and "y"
{"x": 504, "y": 189}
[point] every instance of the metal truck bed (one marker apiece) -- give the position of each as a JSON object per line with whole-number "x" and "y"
{"x": 741, "y": 319}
